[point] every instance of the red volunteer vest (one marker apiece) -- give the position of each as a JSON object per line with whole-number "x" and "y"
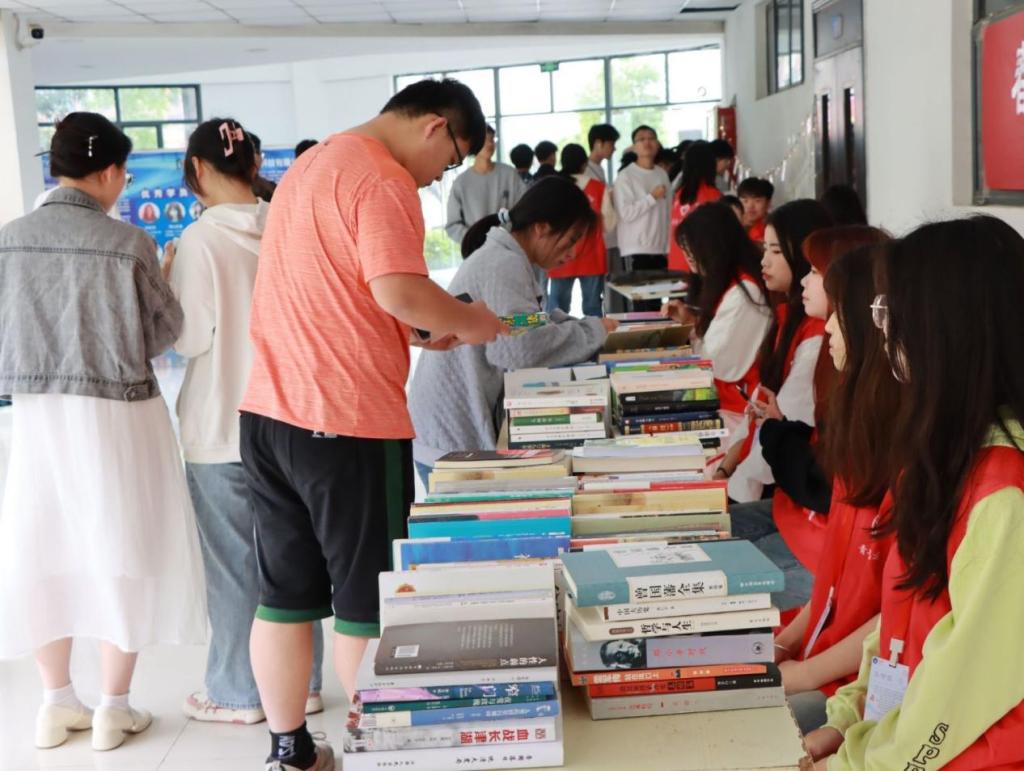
{"x": 1001, "y": 747}
{"x": 849, "y": 571}
{"x": 676, "y": 257}
{"x": 591, "y": 256}
{"x": 756, "y": 232}
{"x": 729, "y": 391}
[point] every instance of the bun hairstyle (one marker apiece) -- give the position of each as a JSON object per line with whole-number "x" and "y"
{"x": 84, "y": 143}
{"x": 222, "y": 143}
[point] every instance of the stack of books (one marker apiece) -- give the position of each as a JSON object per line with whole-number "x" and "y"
{"x": 656, "y": 629}
{"x": 646, "y": 336}
{"x": 660, "y": 397}
{"x": 675, "y": 452}
{"x": 546, "y": 408}
{"x": 465, "y": 674}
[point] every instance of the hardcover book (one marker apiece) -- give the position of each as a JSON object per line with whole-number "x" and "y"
{"x": 486, "y": 459}
{"x": 482, "y": 733}
{"x": 596, "y": 628}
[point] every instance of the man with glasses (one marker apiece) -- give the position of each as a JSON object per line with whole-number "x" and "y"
{"x": 325, "y": 430}
{"x": 481, "y": 190}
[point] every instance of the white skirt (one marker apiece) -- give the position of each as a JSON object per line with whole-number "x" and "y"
{"x": 97, "y": 533}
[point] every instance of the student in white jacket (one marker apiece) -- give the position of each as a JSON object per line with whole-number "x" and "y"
{"x": 212, "y": 275}
{"x": 641, "y": 201}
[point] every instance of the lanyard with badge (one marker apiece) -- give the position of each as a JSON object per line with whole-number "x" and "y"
{"x": 889, "y": 678}
{"x": 837, "y": 576}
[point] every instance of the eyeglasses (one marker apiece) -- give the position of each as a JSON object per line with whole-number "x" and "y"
{"x": 458, "y": 153}
{"x": 880, "y": 312}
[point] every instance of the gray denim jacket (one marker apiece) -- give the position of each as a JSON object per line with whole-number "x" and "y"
{"x": 83, "y": 307}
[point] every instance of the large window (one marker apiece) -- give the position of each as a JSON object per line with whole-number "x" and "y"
{"x": 785, "y": 26}
{"x": 559, "y": 101}
{"x": 155, "y": 117}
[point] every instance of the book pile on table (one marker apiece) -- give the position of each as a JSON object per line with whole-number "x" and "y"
{"x": 491, "y": 506}
{"x": 548, "y": 408}
{"x": 465, "y": 673}
{"x": 656, "y": 629}
{"x": 658, "y": 397}
{"x": 645, "y": 336}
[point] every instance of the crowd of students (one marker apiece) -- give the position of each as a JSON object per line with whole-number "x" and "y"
{"x": 874, "y": 384}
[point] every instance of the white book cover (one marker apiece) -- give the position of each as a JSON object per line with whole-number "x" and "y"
{"x": 596, "y": 628}
{"x": 631, "y": 612}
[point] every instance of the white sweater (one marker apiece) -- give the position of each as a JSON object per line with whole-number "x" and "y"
{"x": 643, "y": 219}
{"x": 212, "y": 276}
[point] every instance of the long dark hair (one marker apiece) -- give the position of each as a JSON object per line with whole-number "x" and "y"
{"x": 865, "y": 396}
{"x": 844, "y": 206}
{"x": 792, "y": 222}
{"x": 698, "y": 167}
{"x": 223, "y": 143}
{"x": 715, "y": 240}
{"x": 554, "y": 200}
{"x": 955, "y": 316}
{"x": 574, "y": 159}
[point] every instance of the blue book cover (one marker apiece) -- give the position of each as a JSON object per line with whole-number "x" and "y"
{"x": 428, "y": 552}
{"x": 492, "y": 528}
{"x": 547, "y": 708}
{"x": 656, "y": 573}
{"x": 540, "y": 692}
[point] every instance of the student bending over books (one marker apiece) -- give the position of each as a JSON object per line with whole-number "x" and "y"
{"x": 455, "y": 397}
{"x": 947, "y": 650}
{"x": 820, "y": 650}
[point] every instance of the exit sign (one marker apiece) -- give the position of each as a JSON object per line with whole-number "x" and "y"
{"x": 549, "y": 67}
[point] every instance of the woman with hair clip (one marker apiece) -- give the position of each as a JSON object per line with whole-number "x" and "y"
{"x": 591, "y": 262}
{"x": 697, "y": 187}
{"x": 820, "y": 649}
{"x": 941, "y": 681}
{"x": 730, "y": 310}
{"x": 212, "y": 275}
{"x": 97, "y": 533}
{"x": 788, "y": 356}
{"x": 455, "y": 396}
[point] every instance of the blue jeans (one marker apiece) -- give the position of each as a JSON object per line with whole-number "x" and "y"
{"x": 560, "y": 294}
{"x": 809, "y": 710}
{"x": 220, "y": 497}
{"x": 753, "y": 522}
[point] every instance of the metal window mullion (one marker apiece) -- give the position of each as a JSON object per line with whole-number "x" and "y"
{"x": 498, "y": 117}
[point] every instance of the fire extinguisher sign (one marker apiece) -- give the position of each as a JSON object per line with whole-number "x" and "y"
{"x": 1002, "y": 103}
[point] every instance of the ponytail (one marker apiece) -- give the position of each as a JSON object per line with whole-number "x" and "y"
{"x": 224, "y": 144}
{"x": 554, "y": 200}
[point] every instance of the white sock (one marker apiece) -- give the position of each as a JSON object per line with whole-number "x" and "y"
{"x": 118, "y": 702}
{"x": 62, "y": 697}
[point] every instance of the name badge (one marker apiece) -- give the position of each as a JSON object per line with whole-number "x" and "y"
{"x": 886, "y": 688}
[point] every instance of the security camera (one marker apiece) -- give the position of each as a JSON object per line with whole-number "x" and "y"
{"x": 29, "y": 34}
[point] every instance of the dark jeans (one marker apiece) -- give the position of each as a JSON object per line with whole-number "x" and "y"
{"x": 560, "y": 294}
{"x": 753, "y": 522}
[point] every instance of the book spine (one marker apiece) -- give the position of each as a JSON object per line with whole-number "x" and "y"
{"x": 474, "y": 677}
{"x": 678, "y": 704}
{"x": 484, "y": 516}
{"x": 554, "y": 444}
{"x": 538, "y": 402}
{"x": 494, "y": 528}
{"x": 581, "y": 418}
{"x": 462, "y": 715}
{"x": 393, "y": 707}
{"x": 686, "y": 607}
{"x": 651, "y": 408}
{"x": 478, "y": 734}
{"x": 409, "y": 553}
{"x": 654, "y": 588}
{"x": 697, "y": 624}
{"x": 682, "y": 396}
{"x": 695, "y": 421}
{"x": 686, "y": 685}
{"x": 592, "y": 430}
{"x": 445, "y": 692}
{"x": 527, "y": 755}
{"x": 637, "y": 676}
{"x": 683, "y": 651}
{"x": 553, "y": 411}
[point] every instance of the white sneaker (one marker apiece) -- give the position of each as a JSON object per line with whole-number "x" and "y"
{"x": 110, "y": 726}
{"x": 324, "y": 758}
{"x": 53, "y": 722}
{"x": 199, "y": 706}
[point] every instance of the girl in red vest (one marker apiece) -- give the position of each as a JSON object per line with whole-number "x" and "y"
{"x": 820, "y": 649}
{"x": 787, "y": 361}
{"x": 698, "y": 186}
{"x": 731, "y": 314}
{"x": 591, "y": 261}
{"x": 941, "y": 682}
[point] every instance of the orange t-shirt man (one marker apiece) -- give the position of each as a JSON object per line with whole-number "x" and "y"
{"x": 327, "y": 357}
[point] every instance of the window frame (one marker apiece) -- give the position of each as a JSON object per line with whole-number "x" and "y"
{"x": 771, "y": 8}
{"x": 122, "y": 124}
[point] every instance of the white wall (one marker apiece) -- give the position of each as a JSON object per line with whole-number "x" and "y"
{"x": 19, "y": 138}
{"x": 765, "y": 124}
{"x": 918, "y": 113}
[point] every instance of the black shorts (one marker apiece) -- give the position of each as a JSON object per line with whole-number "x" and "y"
{"x": 326, "y": 511}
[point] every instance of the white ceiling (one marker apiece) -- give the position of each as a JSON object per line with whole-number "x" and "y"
{"x": 306, "y": 13}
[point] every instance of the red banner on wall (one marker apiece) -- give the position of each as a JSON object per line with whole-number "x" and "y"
{"x": 1002, "y": 103}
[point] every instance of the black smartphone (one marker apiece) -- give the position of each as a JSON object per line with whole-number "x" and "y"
{"x": 425, "y": 334}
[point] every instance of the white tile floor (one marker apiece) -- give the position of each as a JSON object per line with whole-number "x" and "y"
{"x": 165, "y": 676}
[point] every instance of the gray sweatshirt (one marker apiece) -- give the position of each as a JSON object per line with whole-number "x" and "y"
{"x": 455, "y": 397}
{"x": 475, "y": 195}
